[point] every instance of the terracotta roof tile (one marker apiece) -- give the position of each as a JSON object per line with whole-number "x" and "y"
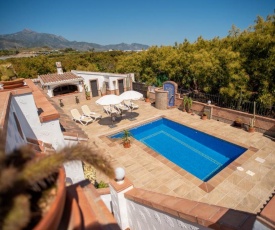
{"x": 48, "y": 112}
{"x": 49, "y": 79}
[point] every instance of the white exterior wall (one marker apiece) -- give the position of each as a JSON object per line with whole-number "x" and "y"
{"x": 14, "y": 140}
{"x": 110, "y": 78}
{"x": 142, "y": 217}
{"x": 26, "y": 112}
{"x": 120, "y": 207}
{"x": 113, "y": 86}
{"x": 74, "y": 171}
{"x": 49, "y": 132}
{"x": 89, "y": 76}
{"x": 107, "y": 201}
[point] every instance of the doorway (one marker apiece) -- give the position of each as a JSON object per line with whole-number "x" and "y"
{"x": 94, "y": 88}
{"x": 120, "y": 86}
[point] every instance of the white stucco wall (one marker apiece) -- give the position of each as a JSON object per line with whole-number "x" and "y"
{"x": 74, "y": 171}
{"x": 87, "y": 76}
{"x": 49, "y": 132}
{"x": 110, "y": 78}
{"x": 26, "y": 112}
{"x": 13, "y": 140}
{"x": 120, "y": 207}
{"x": 142, "y": 217}
{"x": 107, "y": 201}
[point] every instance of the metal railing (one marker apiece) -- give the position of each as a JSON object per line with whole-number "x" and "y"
{"x": 239, "y": 105}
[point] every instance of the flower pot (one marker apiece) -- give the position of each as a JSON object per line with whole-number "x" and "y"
{"x": 251, "y": 129}
{"x": 147, "y": 100}
{"x": 127, "y": 144}
{"x": 203, "y": 117}
{"x": 52, "y": 218}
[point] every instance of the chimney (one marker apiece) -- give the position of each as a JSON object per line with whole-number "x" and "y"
{"x": 59, "y": 68}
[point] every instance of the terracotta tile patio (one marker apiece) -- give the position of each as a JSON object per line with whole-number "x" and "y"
{"x": 247, "y": 188}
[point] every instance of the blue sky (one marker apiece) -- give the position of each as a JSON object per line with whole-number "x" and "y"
{"x": 150, "y": 22}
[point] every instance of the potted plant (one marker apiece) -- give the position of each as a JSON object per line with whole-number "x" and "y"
{"x": 103, "y": 89}
{"x": 147, "y": 99}
{"x": 184, "y": 103}
{"x": 251, "y": 127}
{"x": 32, "y": 186}
{"x": 87, "y": 92}
{"x": 189, "y": 104}
{"x": 126, "y": 138}
{"x": 204, "y": 116}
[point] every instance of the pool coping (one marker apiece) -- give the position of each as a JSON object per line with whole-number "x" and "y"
{"x": 205, "y": 186}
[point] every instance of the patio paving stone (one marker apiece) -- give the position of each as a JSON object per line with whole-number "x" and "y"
{"x": 148, "y": 170}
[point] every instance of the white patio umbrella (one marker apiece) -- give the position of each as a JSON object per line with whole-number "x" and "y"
{"x": 131, "y": 95}
{"x": 109, "y": 100}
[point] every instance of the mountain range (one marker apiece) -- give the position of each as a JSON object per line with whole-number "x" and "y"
{"x": 31, "y": 39}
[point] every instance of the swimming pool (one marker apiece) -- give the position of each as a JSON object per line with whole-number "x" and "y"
{"x": 198, "y": 153}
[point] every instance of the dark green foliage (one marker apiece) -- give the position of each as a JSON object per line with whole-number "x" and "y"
{"x": 25, "y": 177}
{"x": 101, "y": 184}
{"x": 240, "y": 66}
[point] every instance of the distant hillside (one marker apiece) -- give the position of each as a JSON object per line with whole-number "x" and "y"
{"x": 31, "y": 39}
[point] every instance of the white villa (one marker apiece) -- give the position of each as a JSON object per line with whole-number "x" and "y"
{"x": 97, "y": 83}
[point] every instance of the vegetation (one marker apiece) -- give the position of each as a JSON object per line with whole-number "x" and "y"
{"x": 126, "y": 136}
{"x": 186, "y": 103}
{"x": 101, "y": 184}
{"x": 87, "y": 92}
{"x": 7, "y": 72}
{"x": 8, "y": 52}
{"x": 252, "y": 122}
{"x": 25, "y": 180}
{"x": 240, "y": 66}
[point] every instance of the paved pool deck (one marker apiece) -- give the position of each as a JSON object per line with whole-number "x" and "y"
{"x": 246, "y": 184}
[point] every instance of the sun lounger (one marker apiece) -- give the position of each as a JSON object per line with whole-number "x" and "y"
{"x": 130, "y": 104}
{"x": 110, "y": 110}
{"x": 77, "y": 117}
{"x": 121, "y": 108}
{"x": 88, "y": 113}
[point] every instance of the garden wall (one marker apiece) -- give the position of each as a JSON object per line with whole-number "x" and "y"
{"x": 263, "y": 124}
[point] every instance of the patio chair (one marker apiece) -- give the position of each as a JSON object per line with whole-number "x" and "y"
{"x": 88, "y": 113}
{"x": 110, "y": 110}
{"x": 130, "y": 104}
{"x": 77, "y": 117}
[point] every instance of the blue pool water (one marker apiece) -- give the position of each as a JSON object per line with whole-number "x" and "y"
{"x": 198, "y": 153}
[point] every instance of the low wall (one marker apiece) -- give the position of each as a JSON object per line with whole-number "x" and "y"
{"x": 264, "y": 125}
